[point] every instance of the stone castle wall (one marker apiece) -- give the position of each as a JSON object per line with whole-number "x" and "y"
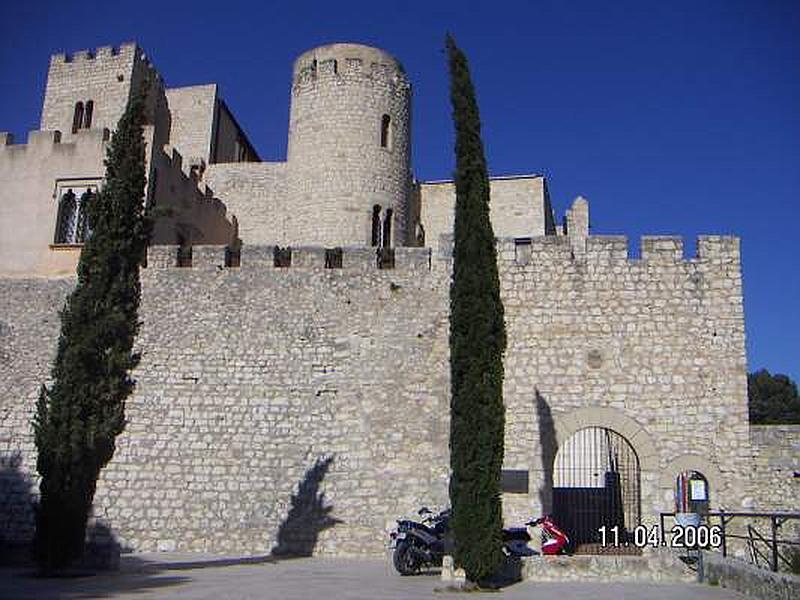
{"x": 255, "y": 379}
{"x": 192, "y": 110}
{"x": 776, "y": 467}
{"x": 651, "y": 348}
{"x": 256, "y": 193}
{"x": 519, "y": 207}
{"x": 103, "y": 76}
{"x": 255, "y": 384}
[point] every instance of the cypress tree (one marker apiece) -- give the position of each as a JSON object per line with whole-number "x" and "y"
{"x": 78, "y": 418}
{"x": 477, "y": 343}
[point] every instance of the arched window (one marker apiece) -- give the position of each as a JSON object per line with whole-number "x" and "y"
{"x": 386, "y": 122}
{"x": 691, "y": 493}
{"x": 376, "y": 225}
{"x": 67, "y": 221}
{"x": 77, "y": 117}
{"x": 82, "y": 229}
{"x": 87, "y": 115}
{"x": 387, "y": 229}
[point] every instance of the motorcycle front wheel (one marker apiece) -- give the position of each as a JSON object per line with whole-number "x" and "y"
{"x": 404, "y": 560}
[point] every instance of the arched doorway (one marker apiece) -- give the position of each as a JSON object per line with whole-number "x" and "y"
{"x": 596, "y": 483}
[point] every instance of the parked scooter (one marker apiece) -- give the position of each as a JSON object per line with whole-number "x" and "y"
{"x": 417, "y": 545}
{"x": 515, "y": 539}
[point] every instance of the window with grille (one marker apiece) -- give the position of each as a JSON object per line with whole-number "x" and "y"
{"x": 72, "y": 222}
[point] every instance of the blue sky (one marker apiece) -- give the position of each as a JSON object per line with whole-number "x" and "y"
{"x": 679, "y": 117}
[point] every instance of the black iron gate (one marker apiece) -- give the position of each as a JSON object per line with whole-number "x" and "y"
{"x": 596, "y": 484}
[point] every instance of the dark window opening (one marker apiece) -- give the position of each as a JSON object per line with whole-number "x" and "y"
{"x": 67, "y": 219}
{"x": 87, "y": 115}
{"x": 387, "y": 229}
{"x": 83, "y": 231}
{"x": 386, "y": 121}
{"x": 376, "y": 225}
{"x": 385, "y": 258}
{"x": 282, "y": 257}
{"x": 184, "y": 252}
{"x": 333, "y": 258}
{"x": 233, "y": 257}
{"x": 77, "y": 117}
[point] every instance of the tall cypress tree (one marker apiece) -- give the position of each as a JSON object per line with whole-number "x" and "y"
{"x": 477, "y": 343}
{"x": 78, "y": 418}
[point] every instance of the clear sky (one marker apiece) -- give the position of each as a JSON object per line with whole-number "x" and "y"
{"x": 678, "y": 117}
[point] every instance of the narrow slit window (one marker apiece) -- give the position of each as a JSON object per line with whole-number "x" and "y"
{"x": 77, "y": 117}
{"x": 376, "y": 225}
{"x": 387, "y": 229}
{"x": 385, "y": 258}
{"x": 386, "y": 122}
{"x": 184, "y": 252}
{"x": 233, "y": 256}
{"x": 87, "y": 114}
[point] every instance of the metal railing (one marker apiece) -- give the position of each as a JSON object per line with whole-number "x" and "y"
{"x": 766, "y": 548}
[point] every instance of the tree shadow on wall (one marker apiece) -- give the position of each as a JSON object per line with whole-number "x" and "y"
{"x": 94, "y": 575}
{"x": 549, "y": 449}
{"x": 16, "y": 510}
{"x": 308, "y": 516}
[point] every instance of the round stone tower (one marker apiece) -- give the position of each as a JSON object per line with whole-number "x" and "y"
{"x": 348, "y": 151}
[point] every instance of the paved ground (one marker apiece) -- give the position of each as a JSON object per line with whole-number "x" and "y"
{"x": 146, "y": 576}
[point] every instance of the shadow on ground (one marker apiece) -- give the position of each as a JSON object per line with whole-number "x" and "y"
{"x": 297, "y": 537}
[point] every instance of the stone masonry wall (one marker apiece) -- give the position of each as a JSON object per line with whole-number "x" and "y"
{"x": 262, "y": 388}
{"x": 256, "y": 194}
{"x": 776, "y": 465}
{"x": 29, "y": 327}
{"x": 650, "y": 348}
{"x": 257, "y": 384}
{"x": 518, "y": 207}
{"x": 192, "y": 110}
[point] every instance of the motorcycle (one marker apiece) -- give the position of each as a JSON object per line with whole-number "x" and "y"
{"x": 515, "y": 539}
{"x": 417, "y": 545}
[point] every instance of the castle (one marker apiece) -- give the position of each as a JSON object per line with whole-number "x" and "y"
{"x": 293, "y": 392}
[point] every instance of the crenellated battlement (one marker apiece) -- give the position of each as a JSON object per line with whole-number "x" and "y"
{"x": 49, "y": 141}
{"x": 114, "y": 57}
{"x": 121, "y": 53}
{"x": 183, "y": 177}
{"x": 612, "y": 249}
{"x": 348, "y": 63}
{"x": 303, "y": 258}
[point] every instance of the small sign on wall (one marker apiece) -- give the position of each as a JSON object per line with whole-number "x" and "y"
{"x": 514, "y": 481}
{"x": 697, "y": 490}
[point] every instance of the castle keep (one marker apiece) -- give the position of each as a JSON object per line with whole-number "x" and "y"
{"x": 293, "y": 392}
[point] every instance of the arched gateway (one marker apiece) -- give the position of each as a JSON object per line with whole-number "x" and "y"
{"x": 596, "y": 483}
